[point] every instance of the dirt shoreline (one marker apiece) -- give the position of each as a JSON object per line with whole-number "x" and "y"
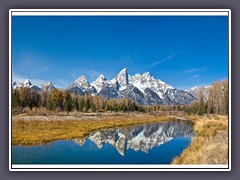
{"x": 79, "y": 116}
{"x": 93, "y": 116}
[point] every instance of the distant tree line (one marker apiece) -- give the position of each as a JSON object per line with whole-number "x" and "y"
{"x": 217, "y": 100}
{"x": 61, "y": 100}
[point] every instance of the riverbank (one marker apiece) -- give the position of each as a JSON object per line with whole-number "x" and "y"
{"x": 32, "y": 130}
{"x": 210, "y": 146}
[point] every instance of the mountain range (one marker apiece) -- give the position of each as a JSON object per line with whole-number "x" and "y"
{"x": 139, "y": 138}
{"x": 26, "y": 83}
{"x": 196, "y": 89}
{"x": 143, "y": 88}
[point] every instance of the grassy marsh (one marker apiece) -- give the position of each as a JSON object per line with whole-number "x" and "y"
{"x": 210, "y": 146}
{"x": 31, "y": 130}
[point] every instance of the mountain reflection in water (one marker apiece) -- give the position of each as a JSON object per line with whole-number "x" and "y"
{"x": 143, "y": 137}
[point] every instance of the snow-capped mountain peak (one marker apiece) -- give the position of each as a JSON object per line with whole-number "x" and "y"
{"x": 146, "y": 74}
{"x": 81, "y": 82}
{"x": 80, "y": 86}
{"x": 99, "y": 83}
{"x": 101, "y": 77}
{"x": 49, "y": 83}
{"x": 81, "y": 79}
{"x": 48, "y": 87}
{"x": 196, "y": 89}
{"x": 192, "y": 88}
{"x": 27, "y": 83}
{"x": 123, "y": 71}
{"x": 144, "y": 81}
{"x": 121, "y": 79}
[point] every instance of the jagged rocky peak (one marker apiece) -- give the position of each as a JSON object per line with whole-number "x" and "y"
{"x": 15, "y": 85}
{"x": 147, "y": 75}
{"x": 137, "y": 75}
{"x": 141, "y": 88}
{"x": 144, "y": 77}
{"x": 192, "y": 88}
{"x": 47, "y": 87}
{"x": 122, "y": 79}
{"x": 80, "y": 86}
{"x": 81, "y": 80}
{"x": 99, "y": 83}
{"x": 49, "y": 83}
{"x": 144, "y": 81}
{"x": 27, "y": 83}
{"x": 196, "y": 89}
{"x": 101, "y": 78}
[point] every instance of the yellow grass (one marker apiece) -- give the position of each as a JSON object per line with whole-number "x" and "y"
{"x": 30, "y": 130}
{"x": 210, "y": 146}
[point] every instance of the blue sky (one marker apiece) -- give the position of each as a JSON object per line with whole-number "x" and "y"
{"x": 183, "y": 51}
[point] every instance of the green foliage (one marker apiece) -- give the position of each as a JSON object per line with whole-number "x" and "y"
{"x": 25, "y": 97}
{"x": 15, "y": 99}
{"x": 67, "y": 102}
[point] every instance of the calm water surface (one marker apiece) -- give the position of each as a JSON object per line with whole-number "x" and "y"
{"x": 157, "y": 143}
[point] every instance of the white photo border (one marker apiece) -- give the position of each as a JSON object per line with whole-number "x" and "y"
{"x": 119, "y": 12}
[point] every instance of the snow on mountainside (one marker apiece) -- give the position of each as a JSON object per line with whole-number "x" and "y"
{"x": 143, "y": 89}
{"x": 144, "y": 81}
{"x": 196, "y": 89}
{"x": 80, "y": 86}
{"x": 121, "y": 79}
{"x": 100, "y": 83}
{"x": 104, "y": 87}
{"x": 26, "y": 83}
{"x": 48, "y": 87}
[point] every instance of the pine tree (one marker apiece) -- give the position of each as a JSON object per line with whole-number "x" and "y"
{"x": 67, "y": 101}
{"x": 15, "y": 99}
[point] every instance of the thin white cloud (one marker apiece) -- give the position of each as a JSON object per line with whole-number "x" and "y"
{"x": 161, "y": 60}
{"x": 189, "y": 71}
{"x": 195, "y": 76}
{"x": 173, "y": 53}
